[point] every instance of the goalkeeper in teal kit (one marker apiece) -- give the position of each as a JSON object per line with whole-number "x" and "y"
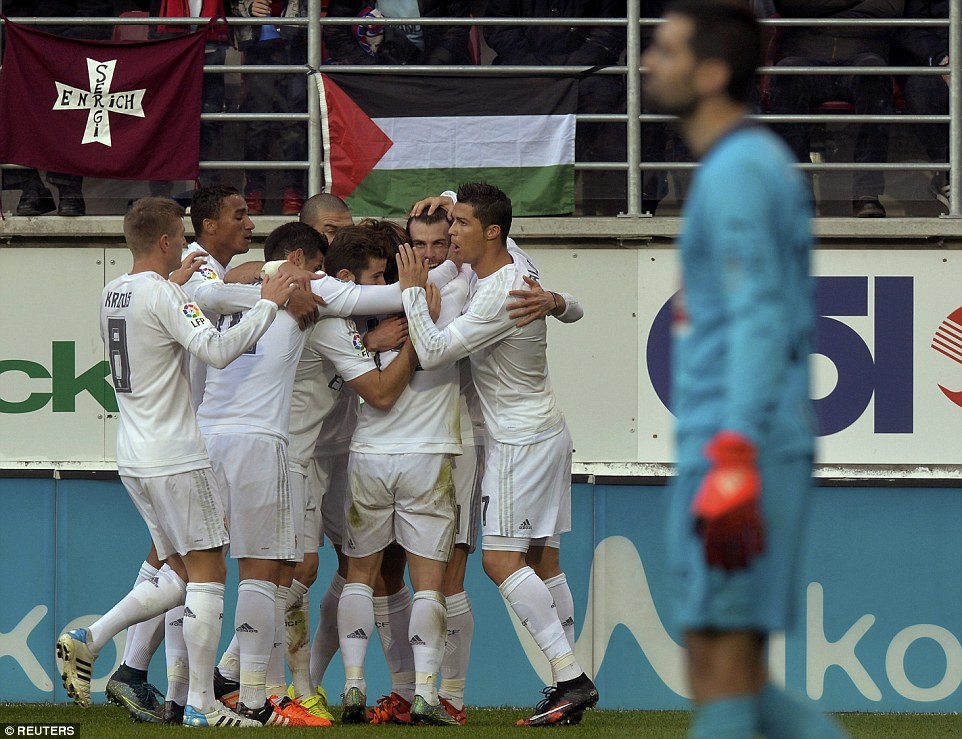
{"x": 743, "y": 324}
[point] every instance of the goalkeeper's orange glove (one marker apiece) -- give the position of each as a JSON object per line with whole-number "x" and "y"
{"x": 727, "y": 506}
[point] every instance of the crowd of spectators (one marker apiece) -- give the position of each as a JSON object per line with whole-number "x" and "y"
{"x": 601, "y": 192}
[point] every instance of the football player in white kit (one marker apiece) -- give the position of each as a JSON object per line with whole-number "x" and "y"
{"x": 338, "y": 298}
{"x": 428, "y": 227}
{"x": 527, "y": 475}
{"x": 401, "y": 490}
{"x": 248, "y": 448}
{"x": 430, "y": 240}
{"x": 149, "y": 326}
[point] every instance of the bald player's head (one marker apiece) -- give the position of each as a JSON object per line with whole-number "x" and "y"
{"x": 326, "y": 213}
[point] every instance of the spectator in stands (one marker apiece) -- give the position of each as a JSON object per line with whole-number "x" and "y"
{"x": 35, "y": 198}
{"x": 407, "y": 44}
{"x": 273, "y": 93}
{"x": 927, "y": 46}
{"x": 603, "y": 192}
{"x": 852, "y": 46}
{"x": 212, "y": 142}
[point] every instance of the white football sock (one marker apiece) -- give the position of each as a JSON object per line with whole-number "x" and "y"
{"x": 392, "y": 616}
{"x": 457, "y": 649}
{"x": 276, "y": 674}
{"x": 355, "y": 622}
{"x": 229, "y": 665}
{"x": 203, "y": 616}
{"x": 564, "y": 605}
{"x": 297, "y": 622}
{"x": 426, "y": 637}
{"x": 326, "y": 640}
{"x": 143, "y": 638}
{"x": 148, "y": 599}
{"x": 531, "y": 602}
{"x": 178, "y": 667}
{"x": 254, "y": 626}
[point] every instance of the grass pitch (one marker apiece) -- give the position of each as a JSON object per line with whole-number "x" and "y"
{"x": 111, "y": 722}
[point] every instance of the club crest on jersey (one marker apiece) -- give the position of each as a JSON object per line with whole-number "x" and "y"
{"x": 359, "y": 345}
{"x": 99, "y": 101}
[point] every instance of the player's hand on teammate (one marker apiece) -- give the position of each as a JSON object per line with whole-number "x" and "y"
{"x": 292, "y": 273}
{"x": 433, "y": 293}
{"x": 531, "y": 304}
{"x": 412, "y": 272}
{"x": 432, "y": 204}
{"x": 389, "y": 334}
{"x": 727, "y": 506}
{"x": 277, "y": 289}
{"x": 303, "y": 303}
{"x": 303, "y": 306}
{"x": 192, "y": 262}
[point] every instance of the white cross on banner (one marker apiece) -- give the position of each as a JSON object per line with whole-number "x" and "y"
{"x": 99, "y": 100}
{"x": 117, "y": 110}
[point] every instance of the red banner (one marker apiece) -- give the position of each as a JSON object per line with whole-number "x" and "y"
{"x": 118, "y": 110}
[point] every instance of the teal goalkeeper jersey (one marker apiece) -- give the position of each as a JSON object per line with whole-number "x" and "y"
{"x": 743, "y": 321}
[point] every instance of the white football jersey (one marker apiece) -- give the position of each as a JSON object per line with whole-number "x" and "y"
{"x": 146, "y": 323}
{"x": 427, "y": 416}
{"x": 253, "y": 393}
{"x": 472, "y": 417}
{"x": 338, "y": 427}
{"x": 333, "y": 356}
{"x": 508, "y": 363}
{"x": 210, "y": 272}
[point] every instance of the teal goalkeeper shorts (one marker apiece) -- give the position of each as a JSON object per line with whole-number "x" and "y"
{"x": 761, "y": 597}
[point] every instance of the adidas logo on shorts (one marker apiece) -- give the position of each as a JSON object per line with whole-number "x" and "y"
{"x": 570, "y": 621}
{"x": 189, "y": 613}
{"x": 178, "y": 622}
{"x": 359, "y": 634}
{"x": 525, "y": 525}
{"x": 247, "y": 628}
{"x": 417, "y": 641}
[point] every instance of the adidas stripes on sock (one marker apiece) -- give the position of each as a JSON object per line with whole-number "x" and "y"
{"x": 203, "y": 616}
{"x": 148, "y": 599}
{"x": 355, "y": 622}
{"x": 529, "y": 598}
{"x": 254, "y": 627}
{"x": 564, "y": 605}
{"x": 143, "y": 638}
{"x": 427, "y": 631}
{"x": 175, "y": 648}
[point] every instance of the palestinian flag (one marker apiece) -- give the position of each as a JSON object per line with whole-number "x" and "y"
{"x": 391, "y": 140}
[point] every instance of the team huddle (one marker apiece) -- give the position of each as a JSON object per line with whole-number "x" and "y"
{"x": 383, "y": 388}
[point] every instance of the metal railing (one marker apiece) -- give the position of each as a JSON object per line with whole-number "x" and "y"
{"x": 635, "y": 163}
